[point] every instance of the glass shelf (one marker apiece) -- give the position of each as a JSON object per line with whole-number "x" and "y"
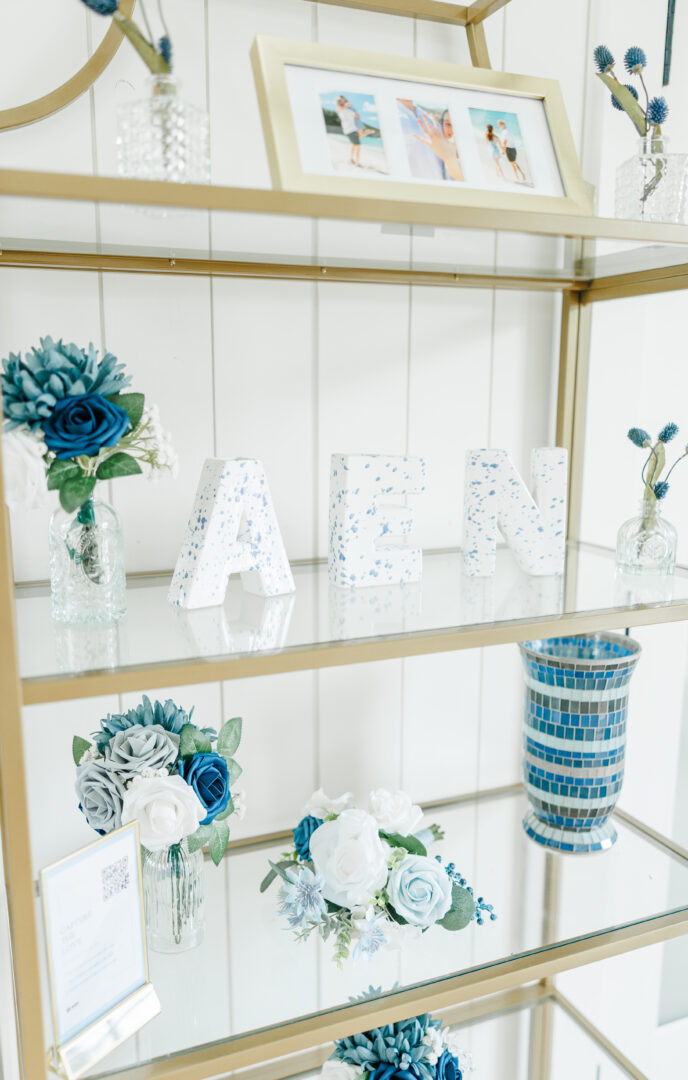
{"x": 156, "y": 644}
{"x": 542, "y": 901}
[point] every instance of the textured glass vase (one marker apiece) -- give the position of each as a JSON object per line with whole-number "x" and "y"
{"x": 173, "y": 892}
{"x": 653, "y": 185}
{"x": 574, "y": 737}
{"x": 87, "y": 578}
{"x": 646, "y": 543}
{"x": 163, "y": 137}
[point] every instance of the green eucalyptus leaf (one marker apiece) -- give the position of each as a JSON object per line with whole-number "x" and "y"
{"x": 60, "y": 471}
{"x": 626, "y": 100}
{"x": 200, "y": 838}
{"x": 119, "y": 464}
{"x": 218, "y": 841}
{"x": 409, "y": 843}
{"x": 74, "y": 492}
{"x": 79, "y": 748}
{"x": 461, "y": 912}
{"x": 276, "y": 870}
{"x": 192, "y": 741}
{"x": 132, "y": 405}
{"x": 229, "y": 737}
{"x": 235, "y": 771}
{"x": 227, "y": 812}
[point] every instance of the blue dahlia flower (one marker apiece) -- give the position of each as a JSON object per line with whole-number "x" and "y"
{"x": 604, "y": 61}
{"x": 639, "y": 437}
{"x": 632, "y": 90}
{"x": 635, "y": 60}
{"x": 169, "y": 716}
{"x": 165, "y": 50}
{"x": 661, "y": 489}
{"x": 102, "y": 7}
{"x": 393, "y": 1052}
{"x": 31, "y": 386}
{"x": 667, "y": 433}
{"x": 657, "y": 110}
{"x": 301, "y": 898}
{"x": 302, "y": 836}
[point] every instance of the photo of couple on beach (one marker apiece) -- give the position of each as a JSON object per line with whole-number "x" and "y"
{"x": 501, "y": 147}
{"x": 353, "y": 133}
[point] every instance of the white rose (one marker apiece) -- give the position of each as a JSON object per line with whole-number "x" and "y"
{"x": 166, "y": 807}
{"x": 24, "y": 468}
{"x": 394, "y": 812}
{"x": 339, "y": 1070}
{"x": 320, "y": 805}
{"x": 351, "y": 858}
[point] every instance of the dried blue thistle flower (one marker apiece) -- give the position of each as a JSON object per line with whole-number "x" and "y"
{"x": 102, "y": 7}
{"x": 165, "y": 50}
{"x": 169, "y": 716}
{"x": 661, "y": 489}
{"x": 639, "y": 437}
{"x": 657, "y": 110}
{"x": 635, "y": 60}
{"x": 604, "y": 61}
{"x": 667, "y": 433}
{"x": 632, "y": 90}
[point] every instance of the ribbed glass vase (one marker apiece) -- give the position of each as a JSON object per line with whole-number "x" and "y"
{"x": 87, "y": 578}
{"x": 646, "y": 543}
{"x": 653, "y": 185}
{"x": 174, "y": 897}
{"x": 163, "y": 137}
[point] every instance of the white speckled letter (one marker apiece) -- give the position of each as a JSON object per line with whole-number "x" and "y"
{"x": 496, "y": 498}
{"x": 232, "y": 529}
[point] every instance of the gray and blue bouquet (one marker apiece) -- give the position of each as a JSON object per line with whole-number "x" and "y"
{"x": 152, "y": 765}
{"x": 364, "y": 877}
{"x": 416, "y": 1049}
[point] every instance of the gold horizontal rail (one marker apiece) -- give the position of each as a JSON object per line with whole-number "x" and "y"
{"x": 311, "y": 1031}
{"x": 637, "y": 283}
{"x": 657, "y": 838}
{"x": 148, "y": 264}
{"x": 430, "y": 10}
{"x": 41, "y": 689}
{"x": 110, "y": 189}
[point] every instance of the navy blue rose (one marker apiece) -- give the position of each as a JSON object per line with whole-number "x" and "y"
{"x": 208, "y": 775}
{"x": 387, "y": 1071}
{"x": 302, "y": 836}
{"x": 84, "y": 424}
{"x": 448, "y": 1067}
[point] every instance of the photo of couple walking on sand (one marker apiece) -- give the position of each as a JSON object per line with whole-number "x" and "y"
{"x": 501, "y": 147}
{"x": 353, "y": 133}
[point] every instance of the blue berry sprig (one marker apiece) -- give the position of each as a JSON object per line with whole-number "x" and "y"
{"x": 482, "y": 909}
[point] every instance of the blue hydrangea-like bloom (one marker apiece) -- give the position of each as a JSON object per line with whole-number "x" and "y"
{"x": 632, "y": 90}
{"x": 667, "y": 433}
{"x": 657, "y": 110}
{"x": 635, "y": 60}
{"x": 102, "y": 7}
{"x": 639, "y": 437}
{"x": 302, "y": 836}
{"x": 372, "y": 938}
{"x": 392, "y": 1052}
{"x": 169, "y": 716}
{"x": 301, "y": 898}
{"x": 165, "y": 50}
{"x": 661, "y": 489}
{"x": 604, "y": 61}
{"x": 32, "y": 385}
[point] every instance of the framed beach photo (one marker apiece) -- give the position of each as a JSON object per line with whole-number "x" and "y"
{"x": 340, "y": 121}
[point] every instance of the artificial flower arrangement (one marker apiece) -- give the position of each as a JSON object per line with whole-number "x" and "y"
{"x": 416, "y": 1049}
{"x": 625, "y": 97}
{"x": 158, "y": 58}
{"x": 365, "y": 878}
{"x": 151, "y": 764}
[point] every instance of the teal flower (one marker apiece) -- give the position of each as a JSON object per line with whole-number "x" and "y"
{"x": 635, "y": 60}
{"x": 392, "y": 1050}
{"x": 102, "y": 7}
{"x": 661, "y": 489}
{"x": 165, "y": 50}
{"x": 301, "y": 898}
{"x": 639, "y": 437}
{"x": 632, "y": 90}
{"x": 657, "y": 110}
{"x": 667, "y": 433}
{"x": 168, "y": 716}
{"x": 32, "y": 385}
{"x": 604, "y": 61}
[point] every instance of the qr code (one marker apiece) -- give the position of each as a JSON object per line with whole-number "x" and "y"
{"x": 115, "y": 877}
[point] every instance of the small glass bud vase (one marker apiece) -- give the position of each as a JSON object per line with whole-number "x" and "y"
{"x": 653, "y": 185}
{"x": 163, "y": 137}
{"x": 173, "y": 893}
{"x": 87, "y": 578}
{"x": 646, "y": 544}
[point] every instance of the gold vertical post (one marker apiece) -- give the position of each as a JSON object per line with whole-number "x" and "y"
{"x": 477, "y": 45}
{"x": 542, "y": 1016}
{"x": 574, "y": 353}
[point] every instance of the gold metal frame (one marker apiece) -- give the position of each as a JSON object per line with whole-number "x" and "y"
{"x": 270, "y": 57}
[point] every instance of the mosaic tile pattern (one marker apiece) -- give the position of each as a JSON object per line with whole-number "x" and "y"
{"x": 365, "y": 523}
{"x": 232, "y": 529}
{"x": 496, "y": 501}
{"x": 574, "y": 737}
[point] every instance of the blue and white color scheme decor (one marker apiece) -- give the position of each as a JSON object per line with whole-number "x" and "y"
{"x": 574, "y": 737}
{"x": 232, "y": 529}
{"x": 496, "y": 498}
{"x": 365, "y": 523}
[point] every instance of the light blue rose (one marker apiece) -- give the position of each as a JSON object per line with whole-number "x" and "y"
{"x": 420, "y": 890}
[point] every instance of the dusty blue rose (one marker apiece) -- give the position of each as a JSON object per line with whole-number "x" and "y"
{"x": 100, "y": 793}
{"x": 420, "y": 890}
{"x": 208, "y": 775}
{"x": 84, "y": 424}
{"x": 302, "y": 836}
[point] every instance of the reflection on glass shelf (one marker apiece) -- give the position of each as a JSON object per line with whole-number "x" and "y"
{"x": 212, "y": 993}
{"x": 154, "y": 632}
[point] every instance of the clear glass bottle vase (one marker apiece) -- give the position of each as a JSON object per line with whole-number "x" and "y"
{"x": 646, "y": 543}
{"x": 163, "y": 137}
{"x": 653, "y": 185}
{"x": 174, "y": 898}
{"x": 87, "y": 577}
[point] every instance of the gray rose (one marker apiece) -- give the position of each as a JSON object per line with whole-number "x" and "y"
{"x": 141, "y": 747}
{"x": 100, "y": 795}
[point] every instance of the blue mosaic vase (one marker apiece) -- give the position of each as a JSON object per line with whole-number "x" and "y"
{"x": 574, "y": 737}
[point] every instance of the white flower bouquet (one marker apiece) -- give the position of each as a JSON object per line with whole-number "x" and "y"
{"x": 364, "y": 877}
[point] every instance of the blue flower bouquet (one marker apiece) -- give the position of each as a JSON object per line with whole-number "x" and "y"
{"x": 416, "y": 1049}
